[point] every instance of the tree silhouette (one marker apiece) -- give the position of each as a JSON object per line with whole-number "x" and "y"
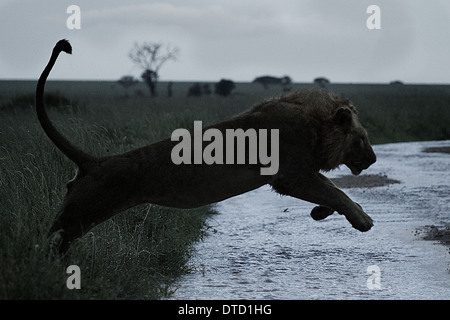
{"x": 151, "y": 57}
{"x": 127, "y": 81}
{"x": 224, "y": 87}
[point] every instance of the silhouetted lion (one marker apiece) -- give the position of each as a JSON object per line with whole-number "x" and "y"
{"x": 317, "y": 131}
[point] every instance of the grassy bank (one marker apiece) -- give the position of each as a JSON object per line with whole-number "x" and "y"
{"x": 137, "y": 254}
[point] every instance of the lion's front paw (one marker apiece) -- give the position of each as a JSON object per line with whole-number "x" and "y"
{"x": 321, "y": 212}
{"x": 360, "y": 220}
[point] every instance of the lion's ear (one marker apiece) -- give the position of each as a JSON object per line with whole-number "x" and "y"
{"x": 344, "y": 118}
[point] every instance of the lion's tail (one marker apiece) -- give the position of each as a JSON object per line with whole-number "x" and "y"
{"x": 73, "y": 153}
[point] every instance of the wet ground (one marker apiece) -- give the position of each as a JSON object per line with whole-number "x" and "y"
{"x": 264, "y": 246}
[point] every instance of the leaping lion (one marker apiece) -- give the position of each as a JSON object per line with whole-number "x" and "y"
{"x": 317, "y": 131}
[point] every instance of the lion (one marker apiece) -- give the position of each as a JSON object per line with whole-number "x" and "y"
{"x": 318, "y": 131}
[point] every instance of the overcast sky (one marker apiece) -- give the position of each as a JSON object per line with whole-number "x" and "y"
{"x": 234, "y": 39}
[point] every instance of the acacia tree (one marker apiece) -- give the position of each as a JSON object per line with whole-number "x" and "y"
{"x": 151, "y": 57}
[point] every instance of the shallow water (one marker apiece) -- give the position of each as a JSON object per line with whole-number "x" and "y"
{"x": 264, "y": 246}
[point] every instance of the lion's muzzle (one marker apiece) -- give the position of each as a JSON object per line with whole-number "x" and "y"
{"x": 363, "y": 162}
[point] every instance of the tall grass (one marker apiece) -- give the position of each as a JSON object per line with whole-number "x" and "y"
{"x": 405, "y": 113}
{"x": 139, "y": 253}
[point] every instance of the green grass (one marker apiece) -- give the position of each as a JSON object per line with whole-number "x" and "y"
{"x": 139, "y": 253}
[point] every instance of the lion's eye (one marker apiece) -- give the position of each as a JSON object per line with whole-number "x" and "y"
{"x": 362, "y": 142}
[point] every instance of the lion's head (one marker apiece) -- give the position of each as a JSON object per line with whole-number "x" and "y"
{"x": 346, "y": 141}
{"x": 339, "y": 136}
{"x": 358, "y": 154}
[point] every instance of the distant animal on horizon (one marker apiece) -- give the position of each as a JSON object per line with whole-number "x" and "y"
{"x": 317, "y": 131}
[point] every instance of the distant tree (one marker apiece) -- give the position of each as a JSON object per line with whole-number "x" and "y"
{"x": 265, "y": 81}
{"x": 150, "y": 57}
{"x": 206, "y": 89}
{"x": 321, "y": 82}
{"x": 224, "y": 87}
{"x": 198, "y": 89}
{"x": 169, "y": 89}
{"x": 195, "y": 90}
{"x": 127, "y": 81}
{"x": 286, "y": 82}
{"x": 396, "y": 83}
